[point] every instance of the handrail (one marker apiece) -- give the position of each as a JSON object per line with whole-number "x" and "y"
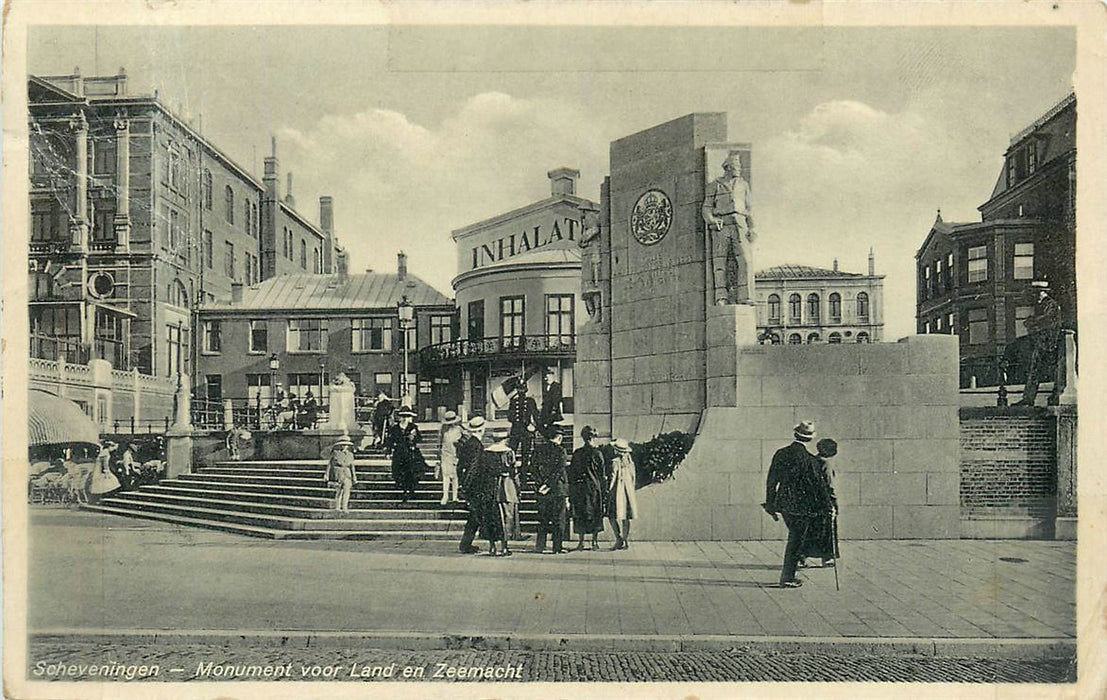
{"x": 476, "y": 348}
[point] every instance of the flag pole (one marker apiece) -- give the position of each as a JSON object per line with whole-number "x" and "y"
{"x": 837, "y": 559}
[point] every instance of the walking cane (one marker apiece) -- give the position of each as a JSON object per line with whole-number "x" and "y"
{"x": 837, "y": 558}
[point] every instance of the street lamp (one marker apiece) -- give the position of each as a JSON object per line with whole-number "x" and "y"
{"x": 407, "y": 320}
{"x": 274, "y": 365}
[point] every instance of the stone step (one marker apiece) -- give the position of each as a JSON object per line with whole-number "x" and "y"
{"x": 295, "y": 464}
{"x": 272, "y": 533}
{"x": 280, "y": 522}
{"x": 323, "y": 511}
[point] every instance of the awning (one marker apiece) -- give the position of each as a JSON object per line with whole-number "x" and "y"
{"x": 53, "y": 420}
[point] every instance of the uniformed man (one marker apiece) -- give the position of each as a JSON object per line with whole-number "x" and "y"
{"x": 1044, "y": 325}
{"x": 552, "y": 485}
{"x": 551, "y": 401}
{"x": 727, "y": 213}
{"x": 522, "y": 411}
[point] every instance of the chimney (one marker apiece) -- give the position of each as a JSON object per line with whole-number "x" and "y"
{"x": 236, "y": 292}
{"x": 401, "y": 265}
{"x": 835, "y": 264}
{"x": 288, "y": 198}
{"x": 872, "y": 263}
{"x": 563, "y": 181}
{"x": 326, "y": 213}
{"x": 270, "y": 178}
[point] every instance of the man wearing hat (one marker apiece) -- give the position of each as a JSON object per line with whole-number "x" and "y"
{"x": 586, "y": 488}
{"x": 447, "y": 456}
{"x": 522, "y": 411}
{"x": 791, "y": 490}
{"x": 622, "y": 505}
{"x": 341, "y": 472}
{"x": 477, "y": 482}
{"x": 553, "y": 492}
{"x": 1044, "y": 325}
{"x": 551, "y": 401}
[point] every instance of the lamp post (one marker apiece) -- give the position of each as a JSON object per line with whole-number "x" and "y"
{"x": 274, "y": 365}
{"x": 407, "y": 319}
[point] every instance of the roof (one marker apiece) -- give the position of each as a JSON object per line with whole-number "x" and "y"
{"x": 782, "y": 272}
{"x": 310, "y": 292}
{"x": 543, "y": 257}
{"x": 52, "y": 420}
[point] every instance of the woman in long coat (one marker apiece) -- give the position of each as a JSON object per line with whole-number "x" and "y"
{"x": 586, "y": 489}
{"x": 500, "y": 456}
{"x": 408, "y": 464}
{"x": 622, "y": 505}
{"x": 819, "y": 538}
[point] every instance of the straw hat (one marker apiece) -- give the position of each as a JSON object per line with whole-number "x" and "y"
{"x": 805, "y": 431}
{"x": 622, "y": 445}
{"x": 449, "y": 418}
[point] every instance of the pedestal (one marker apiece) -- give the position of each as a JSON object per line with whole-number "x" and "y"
{"x": 729, "y": 327}
{"x": 178, "y": 451}
{"x": 1065, "y": 521}
{"x": 341, "y": 416}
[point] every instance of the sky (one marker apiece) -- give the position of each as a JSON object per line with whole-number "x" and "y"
{"x": 859, "y": 134}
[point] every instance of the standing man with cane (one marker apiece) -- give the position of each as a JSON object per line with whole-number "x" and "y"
{"x": 791, "y": 491}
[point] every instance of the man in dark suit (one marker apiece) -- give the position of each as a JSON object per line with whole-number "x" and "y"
{"x": 522, "y": 411}
{"x": 792, "y": 491}
{"x": 470, "y": 474}
{"x": 551, "y": 401}
{"x": 552, "y": 485}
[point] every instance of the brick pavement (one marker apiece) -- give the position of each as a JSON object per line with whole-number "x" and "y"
{"x": 90, "y": 572}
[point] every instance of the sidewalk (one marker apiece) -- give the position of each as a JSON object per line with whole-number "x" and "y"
{"x": 92, "y": 575}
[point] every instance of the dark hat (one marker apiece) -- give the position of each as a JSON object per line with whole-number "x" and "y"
{"x": 805, "y": 431}
{"x": 551, "y": 432}
{"x": 826, "y": 447}
{"x": 587, "y": 432}
{"x": 522, "y": 386}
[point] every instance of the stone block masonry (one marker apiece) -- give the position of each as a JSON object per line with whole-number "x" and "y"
{"x": 898, "y": 469}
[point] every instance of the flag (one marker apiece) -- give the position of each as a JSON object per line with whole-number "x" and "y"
{"x": 501, "y": 394}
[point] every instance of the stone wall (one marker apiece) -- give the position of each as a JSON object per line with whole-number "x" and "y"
{"x": 892, "y": 407}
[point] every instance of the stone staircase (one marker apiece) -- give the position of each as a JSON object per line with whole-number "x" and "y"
{"x": 290, "y": 500}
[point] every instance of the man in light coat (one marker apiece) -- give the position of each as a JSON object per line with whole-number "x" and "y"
{"x": 447, "y": 458}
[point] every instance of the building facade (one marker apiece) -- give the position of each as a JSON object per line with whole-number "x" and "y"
{"x": 296, "y": 333}
{"x": 798, "y": 304}
{"x": 973, "y": 277}
{"x": 136, "y": 219}
{"x": 518, "y": 297}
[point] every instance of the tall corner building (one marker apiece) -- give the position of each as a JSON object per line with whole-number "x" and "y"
{"x": 137, "y": 219}
{"x": 973, "y": 277}
{"x": 518, "y": 296}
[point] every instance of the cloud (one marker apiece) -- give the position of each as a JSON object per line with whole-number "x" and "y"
{"x": 402, "y": 185}
{"x": 849, "y": 177}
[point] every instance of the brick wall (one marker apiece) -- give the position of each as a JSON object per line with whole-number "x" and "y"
{"x": 1008, "y": 462}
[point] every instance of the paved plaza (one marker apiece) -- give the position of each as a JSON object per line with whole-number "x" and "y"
{"x": 102, "y": 573}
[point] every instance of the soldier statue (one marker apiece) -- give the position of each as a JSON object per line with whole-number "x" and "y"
{"x": 727, "y": 213}
{"x": 1044, "y": 325}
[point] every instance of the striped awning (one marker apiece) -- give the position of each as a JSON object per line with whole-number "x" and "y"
{"x": 53, "y": 420}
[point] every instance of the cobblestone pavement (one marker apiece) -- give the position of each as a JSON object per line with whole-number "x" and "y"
{"x": 93, "y": 572}
{"x": 524, "y": 666}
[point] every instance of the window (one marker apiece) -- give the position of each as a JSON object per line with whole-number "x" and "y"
{"x": 371, "y": 334}
{"x": 176, "y": 182}
{"x": 949, "y": 324}
{"x": 1024, "y": 261}
{"x": 794, "y": 307}
{"x": 307, "y": 335}
{"x": 441, "y": 328}
{"x": 259, "y": 336}
{"x": 258, "y": 388}
{"x": 476, "y": 320}
{"x": 512, "y": 316}
{"x": 383, "y": 382}
{"x": 205, "y": 189}
{"x": 926, "y": 327}
{"x": 228, "y": 260}
{"x": 862, "y": 337}
{"x": 213, "y": 385}
{"x": 177, "y": 294}
{"x": 1021, "y": 314}
{"x": 835, "y": 301}
{"x": 937, "y": 324}
{"x": 774, "y": 308}
{"x": 559, "y": 319}
{"x": 103, "y": 222}
{"x": 42, "y": 286}
{"x": 172, "y": 230}
{"x": 49, "y": 222}
{"x": 978, "y": 264}
{"x": 813, "y": 308}
{"x": 299, "y": 384}
{"x": 209, "y": 250}
{"x": 104, "y": 156}
{"x": 978, "y": 326}
{"x": 795, "y": 339}
{"x": 248, "y": 261}
{"x": 176, "y": 358}
{"x": 303, "y": 254}
{"x": 834, "y": 338}
{"x": 862, "y": 306}
{"x": 1031, "y": 157}
{"x": 812, "y": 338}
{"x": 229, "y": 214}
{"x": 213, "y": 337}
{"x": 316, "y": 261}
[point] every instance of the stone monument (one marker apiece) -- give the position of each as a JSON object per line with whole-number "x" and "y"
{"x": 178, "y": 439}
{"x": 662, "y": 355}
{"x": 341, "y": 415}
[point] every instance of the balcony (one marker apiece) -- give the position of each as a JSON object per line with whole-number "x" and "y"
{"x": 485, "y": 349}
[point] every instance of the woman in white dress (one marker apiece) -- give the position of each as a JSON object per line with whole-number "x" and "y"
{"x": 622, "y": 505}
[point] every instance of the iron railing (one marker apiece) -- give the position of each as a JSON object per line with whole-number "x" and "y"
{"x": 488, "y": 348}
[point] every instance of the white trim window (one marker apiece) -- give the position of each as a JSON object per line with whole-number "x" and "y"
{"x": 307, "y": 335}
{"x": 371, "y": 335}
